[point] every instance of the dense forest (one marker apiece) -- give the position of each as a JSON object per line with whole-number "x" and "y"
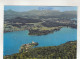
{"x": 56, "y": 24}
{"x": 63, "y": 51}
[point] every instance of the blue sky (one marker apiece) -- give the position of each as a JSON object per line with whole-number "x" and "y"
{"x": 27, "y": 8}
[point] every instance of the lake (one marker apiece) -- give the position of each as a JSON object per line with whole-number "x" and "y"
{"x": 13, "y": 40}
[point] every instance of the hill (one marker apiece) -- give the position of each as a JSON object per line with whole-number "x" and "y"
{"x": 10, "y": 14}
{"x": 63, "y": 51}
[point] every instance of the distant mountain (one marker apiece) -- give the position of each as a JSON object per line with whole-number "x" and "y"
{"x": 39, "y": 14}
{"x": 10, "y": 14}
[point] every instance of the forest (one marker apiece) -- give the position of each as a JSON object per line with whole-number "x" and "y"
{"x": 63, "y": 51}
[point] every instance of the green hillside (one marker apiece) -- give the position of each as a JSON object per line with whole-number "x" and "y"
{"x": 63, "y": 51}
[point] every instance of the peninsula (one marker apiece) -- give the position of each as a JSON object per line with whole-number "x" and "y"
{"x": 39, "y": 22}
{"x": 26, "y": 47}
{"x": 63, "y": 51}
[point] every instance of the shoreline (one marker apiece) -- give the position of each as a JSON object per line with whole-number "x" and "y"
{"x": 48, "y": 34}
{"x": 59, "y": 46}
{"x": 42, "y": 32}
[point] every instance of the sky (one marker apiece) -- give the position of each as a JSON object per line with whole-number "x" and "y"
{"x": 28, "y": 8}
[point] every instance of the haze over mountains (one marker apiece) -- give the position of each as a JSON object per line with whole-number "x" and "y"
{"x": 39, "y": 14}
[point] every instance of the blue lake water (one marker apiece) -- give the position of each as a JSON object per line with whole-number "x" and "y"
{"x": 13, "y": 40}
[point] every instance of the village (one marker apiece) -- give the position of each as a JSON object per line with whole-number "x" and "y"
{"x": 26, "y": 47}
